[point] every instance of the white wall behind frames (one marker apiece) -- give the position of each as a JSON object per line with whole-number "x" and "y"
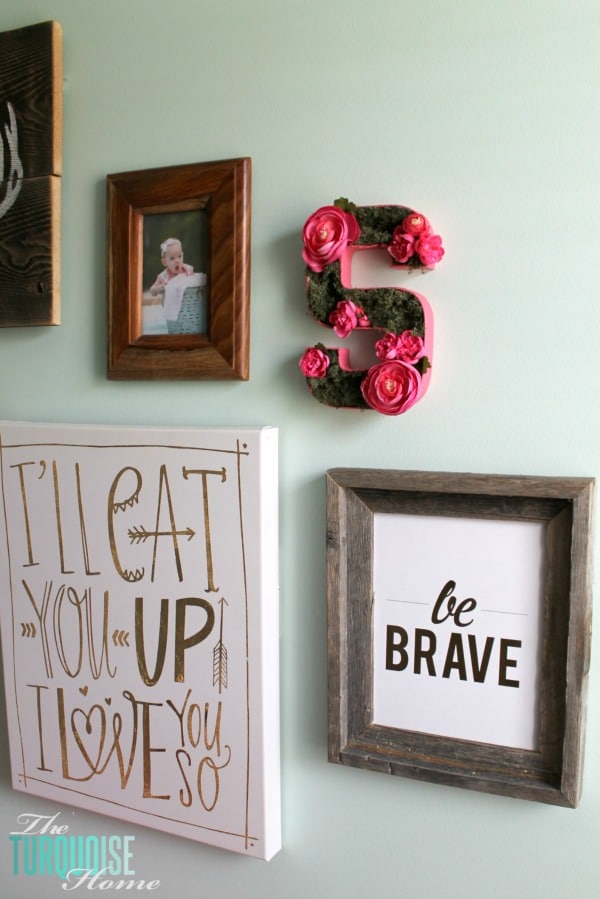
{"x": 484, "y": 117}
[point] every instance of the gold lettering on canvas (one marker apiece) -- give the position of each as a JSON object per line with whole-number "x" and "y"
{"x": 128, "y": 580}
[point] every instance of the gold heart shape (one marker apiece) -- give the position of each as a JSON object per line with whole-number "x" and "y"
{"x": 83, "y": 691}
{"x": 107, "y": 700}
{"x": 88, "y": 728}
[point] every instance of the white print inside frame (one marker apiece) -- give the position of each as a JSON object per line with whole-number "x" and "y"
{"x": 457, "y": 623}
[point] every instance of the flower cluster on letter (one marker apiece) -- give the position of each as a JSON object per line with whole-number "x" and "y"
{"x": 415, "y": 239}
{"x": 393, "y": 385}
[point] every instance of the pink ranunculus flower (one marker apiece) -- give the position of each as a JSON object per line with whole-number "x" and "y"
{"x": 344, "y": 318}
{"x": 391, "y": 387}
{"x": 386, "y": 348}
{"x": 362, "y": 320}
{"x": 409, "y": 347}
{"x": 326, "y": 234}
{"x": 402, "y": 246}
{"x": 314, "y": 363}
{"x": 415, "y": 223}
{"x": 429, "y": 248}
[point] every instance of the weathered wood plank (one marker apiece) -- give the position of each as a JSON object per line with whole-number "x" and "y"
{"x": 31, "y": 81}
{"x": 30, "y": 168}
{"x": 30, "y": 256}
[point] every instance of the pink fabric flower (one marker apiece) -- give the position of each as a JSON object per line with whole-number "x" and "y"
{"x": 326, "y": 234}
{"x": 415, "y": 223}
{"x": 386, "y": 347}
{"x": 409, "y": 347}
{"x": 314, "y": 363}
{"x": 429, "y": 248}
{"x": 344, "y": 318}
{"x": 402, "y": 246}
{"x": 362, "y": 320}
{"x": 391, "y": 387}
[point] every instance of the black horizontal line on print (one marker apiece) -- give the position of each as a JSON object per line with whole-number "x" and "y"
{"x": 414, "y": 602}
{"x": 503, "y": 612}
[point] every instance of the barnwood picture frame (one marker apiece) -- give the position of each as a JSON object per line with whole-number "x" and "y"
{"x": 30, "y": 174}
{"x": 560, "y": 511}
{"x": 218, "y": 193}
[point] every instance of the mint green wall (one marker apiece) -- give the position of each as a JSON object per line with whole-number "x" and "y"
{"x": 484, "y": 115}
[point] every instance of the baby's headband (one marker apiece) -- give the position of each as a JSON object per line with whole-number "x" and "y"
{"x": 167, "y": 243}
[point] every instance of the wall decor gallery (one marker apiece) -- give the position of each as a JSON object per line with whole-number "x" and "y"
{"x": 30, "y": 174}
{"x": 140, "y": 626}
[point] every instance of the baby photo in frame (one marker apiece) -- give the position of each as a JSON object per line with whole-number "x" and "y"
{"x": 175, "y": 301}
{"x": 179, "y": 272}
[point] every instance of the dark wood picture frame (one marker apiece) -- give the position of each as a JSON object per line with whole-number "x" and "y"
{"x": 223, "y": 190}
{"x": 565, "y": 506}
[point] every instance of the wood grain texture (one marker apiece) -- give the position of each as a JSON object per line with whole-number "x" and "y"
{"x": 225, "y": 188}
{"x": 30, "y": 140}
{"x": 30, "y": 256}
{"x": 31, "y": 80}
{"x": 551, "y": 774}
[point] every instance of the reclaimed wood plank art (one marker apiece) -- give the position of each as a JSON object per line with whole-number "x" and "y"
{"x": 30, "y": 170}
{"x": 138, "y": 590}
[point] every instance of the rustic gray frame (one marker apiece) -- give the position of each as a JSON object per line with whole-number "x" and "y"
{"x": 554, "y": 773}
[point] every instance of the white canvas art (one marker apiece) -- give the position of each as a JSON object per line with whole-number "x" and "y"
{"x": 139, "y": 609}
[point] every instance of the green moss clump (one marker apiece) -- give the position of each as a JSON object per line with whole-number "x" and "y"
{"x": 378, "y": 223}
{"x": 388, "y": 308}
{"x": 338, "y": 388}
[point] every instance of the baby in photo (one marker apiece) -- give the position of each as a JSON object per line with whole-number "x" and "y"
{"x": 171, "y": 252}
